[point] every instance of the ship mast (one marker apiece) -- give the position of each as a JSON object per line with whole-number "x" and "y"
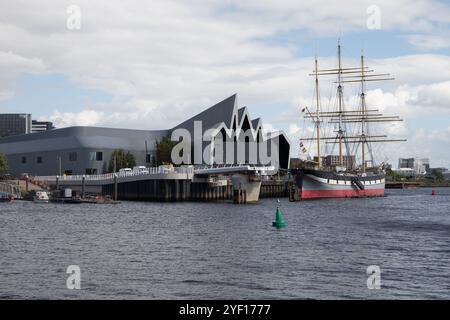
{"x": 340, "y": 98}
{"x": 363, "y": 111}
{"x": 360, "y": 115}
{"x": 317, "y": 113}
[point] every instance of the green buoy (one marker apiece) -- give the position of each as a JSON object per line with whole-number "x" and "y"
{"x": 279, "y": 222}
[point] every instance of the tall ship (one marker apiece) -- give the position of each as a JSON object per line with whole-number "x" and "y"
{"x": 348, "y": 129}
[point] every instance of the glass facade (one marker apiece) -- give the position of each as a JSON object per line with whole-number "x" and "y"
{"x": 12, "y": 124}
{"x": 96, "y": 156}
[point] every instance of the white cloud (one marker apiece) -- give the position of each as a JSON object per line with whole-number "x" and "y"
{"x": 413, "y": 101}
{"x": 424, "y": 143}
{"x": 6, "y": 94}
{"x": 293, "y": 129}
{"x": 12, "y": 62}
{"x": 429, "y": 42}
{"x": 325, "y": 17}
{"x": 163, "y": 61}
{"x": 83, "y": 118}
{"x": 11, "y": 66}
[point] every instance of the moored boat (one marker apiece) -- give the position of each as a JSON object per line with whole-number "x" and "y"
{"x": 40, "y": 196}
{"x": 6, "y": 199}
{"x": 315, "y": 184}
{"x": 339, "y": 176}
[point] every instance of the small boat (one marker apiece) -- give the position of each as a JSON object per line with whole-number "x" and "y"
{"x": 5, "y": 199}
{"x": 65, "y": 196}
{"x": 66, "y": 200}
{"x": 40, "y": 196}
{"x": 98, "y": 199}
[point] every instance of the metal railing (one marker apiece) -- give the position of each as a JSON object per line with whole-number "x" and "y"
{"x": 7, "y": 188}
{"x": 120, "y": 174}
{"x": 155, "y": 171}
{"x": 240, "y": 166}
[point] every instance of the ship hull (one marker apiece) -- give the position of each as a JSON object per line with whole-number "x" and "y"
{"x": 315, "y": 184}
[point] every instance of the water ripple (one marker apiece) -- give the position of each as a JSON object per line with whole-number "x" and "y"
{"x": 211, "y": 251}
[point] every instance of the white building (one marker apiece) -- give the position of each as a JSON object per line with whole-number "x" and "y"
{"x": 418, "y": 165}
{"x": 406, "y": 172}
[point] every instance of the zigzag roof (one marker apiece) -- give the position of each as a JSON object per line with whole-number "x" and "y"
{"x": 223, "y": 111}
{"x": 223, "y": 115}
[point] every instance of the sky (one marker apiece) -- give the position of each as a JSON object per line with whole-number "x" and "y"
{"x": 152, "y": 64}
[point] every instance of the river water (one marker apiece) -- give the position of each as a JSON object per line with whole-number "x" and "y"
{"x": 137, "y": 250}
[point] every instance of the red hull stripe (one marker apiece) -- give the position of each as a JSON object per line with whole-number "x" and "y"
{"x": 314, "y": 194}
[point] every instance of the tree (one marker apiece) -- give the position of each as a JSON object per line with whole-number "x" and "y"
{"x": 391, "y": 175}
{"x": 164, "y": 151}
{"x": 438, "y": 175}
{"x": 122, "y": 160}
{"x": 3, "y": 164}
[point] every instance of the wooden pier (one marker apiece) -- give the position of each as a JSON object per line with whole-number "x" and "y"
{"x": 402, "y": 185}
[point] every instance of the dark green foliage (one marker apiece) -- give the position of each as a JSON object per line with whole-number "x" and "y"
{"x": 122, "y": 160}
